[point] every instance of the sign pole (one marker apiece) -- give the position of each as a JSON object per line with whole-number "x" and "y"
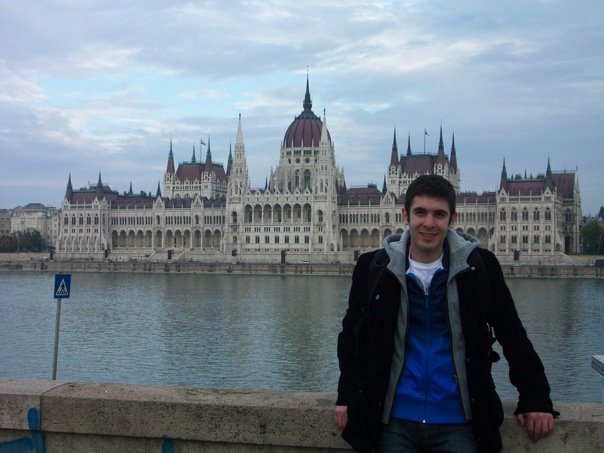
{"x": 56, "y": 349}
{"x": 61, "y": 291}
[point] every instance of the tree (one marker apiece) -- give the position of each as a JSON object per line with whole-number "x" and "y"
{"x": 592, "y": 234}
{"x": 23, "y": 241}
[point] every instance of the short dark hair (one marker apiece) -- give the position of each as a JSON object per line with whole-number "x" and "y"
{"x": 431, "y": 185}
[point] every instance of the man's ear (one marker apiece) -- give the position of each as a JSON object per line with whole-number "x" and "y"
{"x": 405, "y": 217}
{"x": 453, "y": 220}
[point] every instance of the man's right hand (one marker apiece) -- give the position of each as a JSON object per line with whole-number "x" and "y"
{"x": 340, "y": 417}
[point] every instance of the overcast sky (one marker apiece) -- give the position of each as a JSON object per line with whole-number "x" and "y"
{"x": 89, "y": 87}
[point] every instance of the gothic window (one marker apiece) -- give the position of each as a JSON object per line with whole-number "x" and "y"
{"x": 514, "y": 215}
{"x": 502, "y": 215}
{"x": 525, "y": 215}
{"x": 320, "y": 216}
{"x": 536, "y": 215}
{"x": 548, "y": 214}
{"x": 307, "y": 179}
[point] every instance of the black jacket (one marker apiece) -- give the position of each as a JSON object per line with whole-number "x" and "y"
{"x": 365, "y": 348}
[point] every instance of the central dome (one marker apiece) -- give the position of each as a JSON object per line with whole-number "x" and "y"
{"x": 305, "y": 130}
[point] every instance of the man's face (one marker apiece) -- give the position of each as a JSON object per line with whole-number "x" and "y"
{"x": 429, "y": 219}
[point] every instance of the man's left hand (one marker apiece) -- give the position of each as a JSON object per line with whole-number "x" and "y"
{"x": 537, "y": 424}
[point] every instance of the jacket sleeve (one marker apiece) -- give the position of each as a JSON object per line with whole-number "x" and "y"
{"x": 350, "y": 368}
{"x": 525, "y": 367}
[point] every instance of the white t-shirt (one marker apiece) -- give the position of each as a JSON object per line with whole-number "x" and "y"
{"x": 424, "y": 272}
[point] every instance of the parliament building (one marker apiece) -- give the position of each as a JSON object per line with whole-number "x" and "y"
{"x": 305, "y": 212}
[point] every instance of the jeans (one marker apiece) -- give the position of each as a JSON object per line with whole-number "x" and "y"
{"x": 400, "y": 436}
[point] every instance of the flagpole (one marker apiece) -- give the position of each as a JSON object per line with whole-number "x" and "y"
{"x": 425, "y": 133}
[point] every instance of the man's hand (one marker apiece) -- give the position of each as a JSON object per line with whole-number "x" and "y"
{"x": 340, "y": 417}
{"x": 537, "y": 424}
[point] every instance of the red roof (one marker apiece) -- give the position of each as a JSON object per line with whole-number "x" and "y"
{"x": 193, "y": 171}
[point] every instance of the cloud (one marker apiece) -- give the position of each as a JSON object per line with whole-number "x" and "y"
{"x": 104, "y": 86}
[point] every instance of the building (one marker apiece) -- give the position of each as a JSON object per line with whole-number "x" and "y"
{"x": 305, "y": 213}
{"x": 35, "y": 217}
{"x": 5, "y": 216}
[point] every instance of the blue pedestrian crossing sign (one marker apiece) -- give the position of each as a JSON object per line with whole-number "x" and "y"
{"x": 62, "y": 286}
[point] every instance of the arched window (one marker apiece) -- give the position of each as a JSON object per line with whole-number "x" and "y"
{"x": 307, "y": 179}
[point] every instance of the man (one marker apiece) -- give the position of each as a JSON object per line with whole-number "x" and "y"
{"x": 415, "y": 350}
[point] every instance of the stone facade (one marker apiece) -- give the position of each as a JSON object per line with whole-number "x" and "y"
{"x": 35, "y": 217}
{"x": 305, "y": 212}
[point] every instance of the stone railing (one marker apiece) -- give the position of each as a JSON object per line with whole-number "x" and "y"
{"x": 49, "y": 416}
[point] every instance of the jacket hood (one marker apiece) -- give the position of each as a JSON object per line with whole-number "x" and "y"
{"x": 460, "y": 245}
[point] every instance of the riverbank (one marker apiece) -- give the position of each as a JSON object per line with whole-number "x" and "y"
{"x": 35, "y": 263}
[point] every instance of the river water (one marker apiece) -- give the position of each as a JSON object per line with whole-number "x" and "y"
{"x": 250, "y": 331}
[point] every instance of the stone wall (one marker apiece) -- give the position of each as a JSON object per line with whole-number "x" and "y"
{"x": 50, "y": 416}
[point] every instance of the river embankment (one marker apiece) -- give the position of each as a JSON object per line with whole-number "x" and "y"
{"x": 40, "y": 263}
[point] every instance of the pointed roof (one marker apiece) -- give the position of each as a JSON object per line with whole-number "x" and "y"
{"x": 239, "y": 140}
{"x": 453, "y": 156}
{"x": 130, "y": 191}
{"x": 193, "y": 157}
{"x": 440, "y": 156}
{"x": 394, "y": 152}
{"x": 307, "y": 104}
{"x": 69, "y": 190}
{"x": 208, "y": 163}
{"x": 170, "y": 167}
{"x": 158, "y": 192}
{"x": 504, "y": 177}
{"x": 230, "y": 161}
{"x": 409, "y": 144}
{"x": 549, "y": 179}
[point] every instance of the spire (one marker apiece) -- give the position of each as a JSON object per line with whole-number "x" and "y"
{"x": 230, "y": 162}
{"x": 324, "y": 133}
{"x": 158, "y": 192}
{"x": 394, "y": 153}
{"x": 549, "y": 179}
{"x": 193, "y": 158}
{"x": 69, "y": 191}
{"x": 130, "y": 191}
{"x": 503, "y": 182}
{"x": 239, "y": 140}
{"x": 307, "y": 101}
{"x": 99, "y": 188}
{"x": 384, "y": 189}
{"x": 409, "y": 145}
{"x": 170, "y": 167}
{"x": 208, "y": 157}
{"x": 440, "y": 157}
{"x": 453, "y": 156}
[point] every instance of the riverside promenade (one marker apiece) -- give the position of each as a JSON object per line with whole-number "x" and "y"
{"x": 40, "y": 263}
{"x": 50, "y": 417}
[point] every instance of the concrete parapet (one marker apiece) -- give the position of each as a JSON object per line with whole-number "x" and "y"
{"x": 77, "y": 417}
